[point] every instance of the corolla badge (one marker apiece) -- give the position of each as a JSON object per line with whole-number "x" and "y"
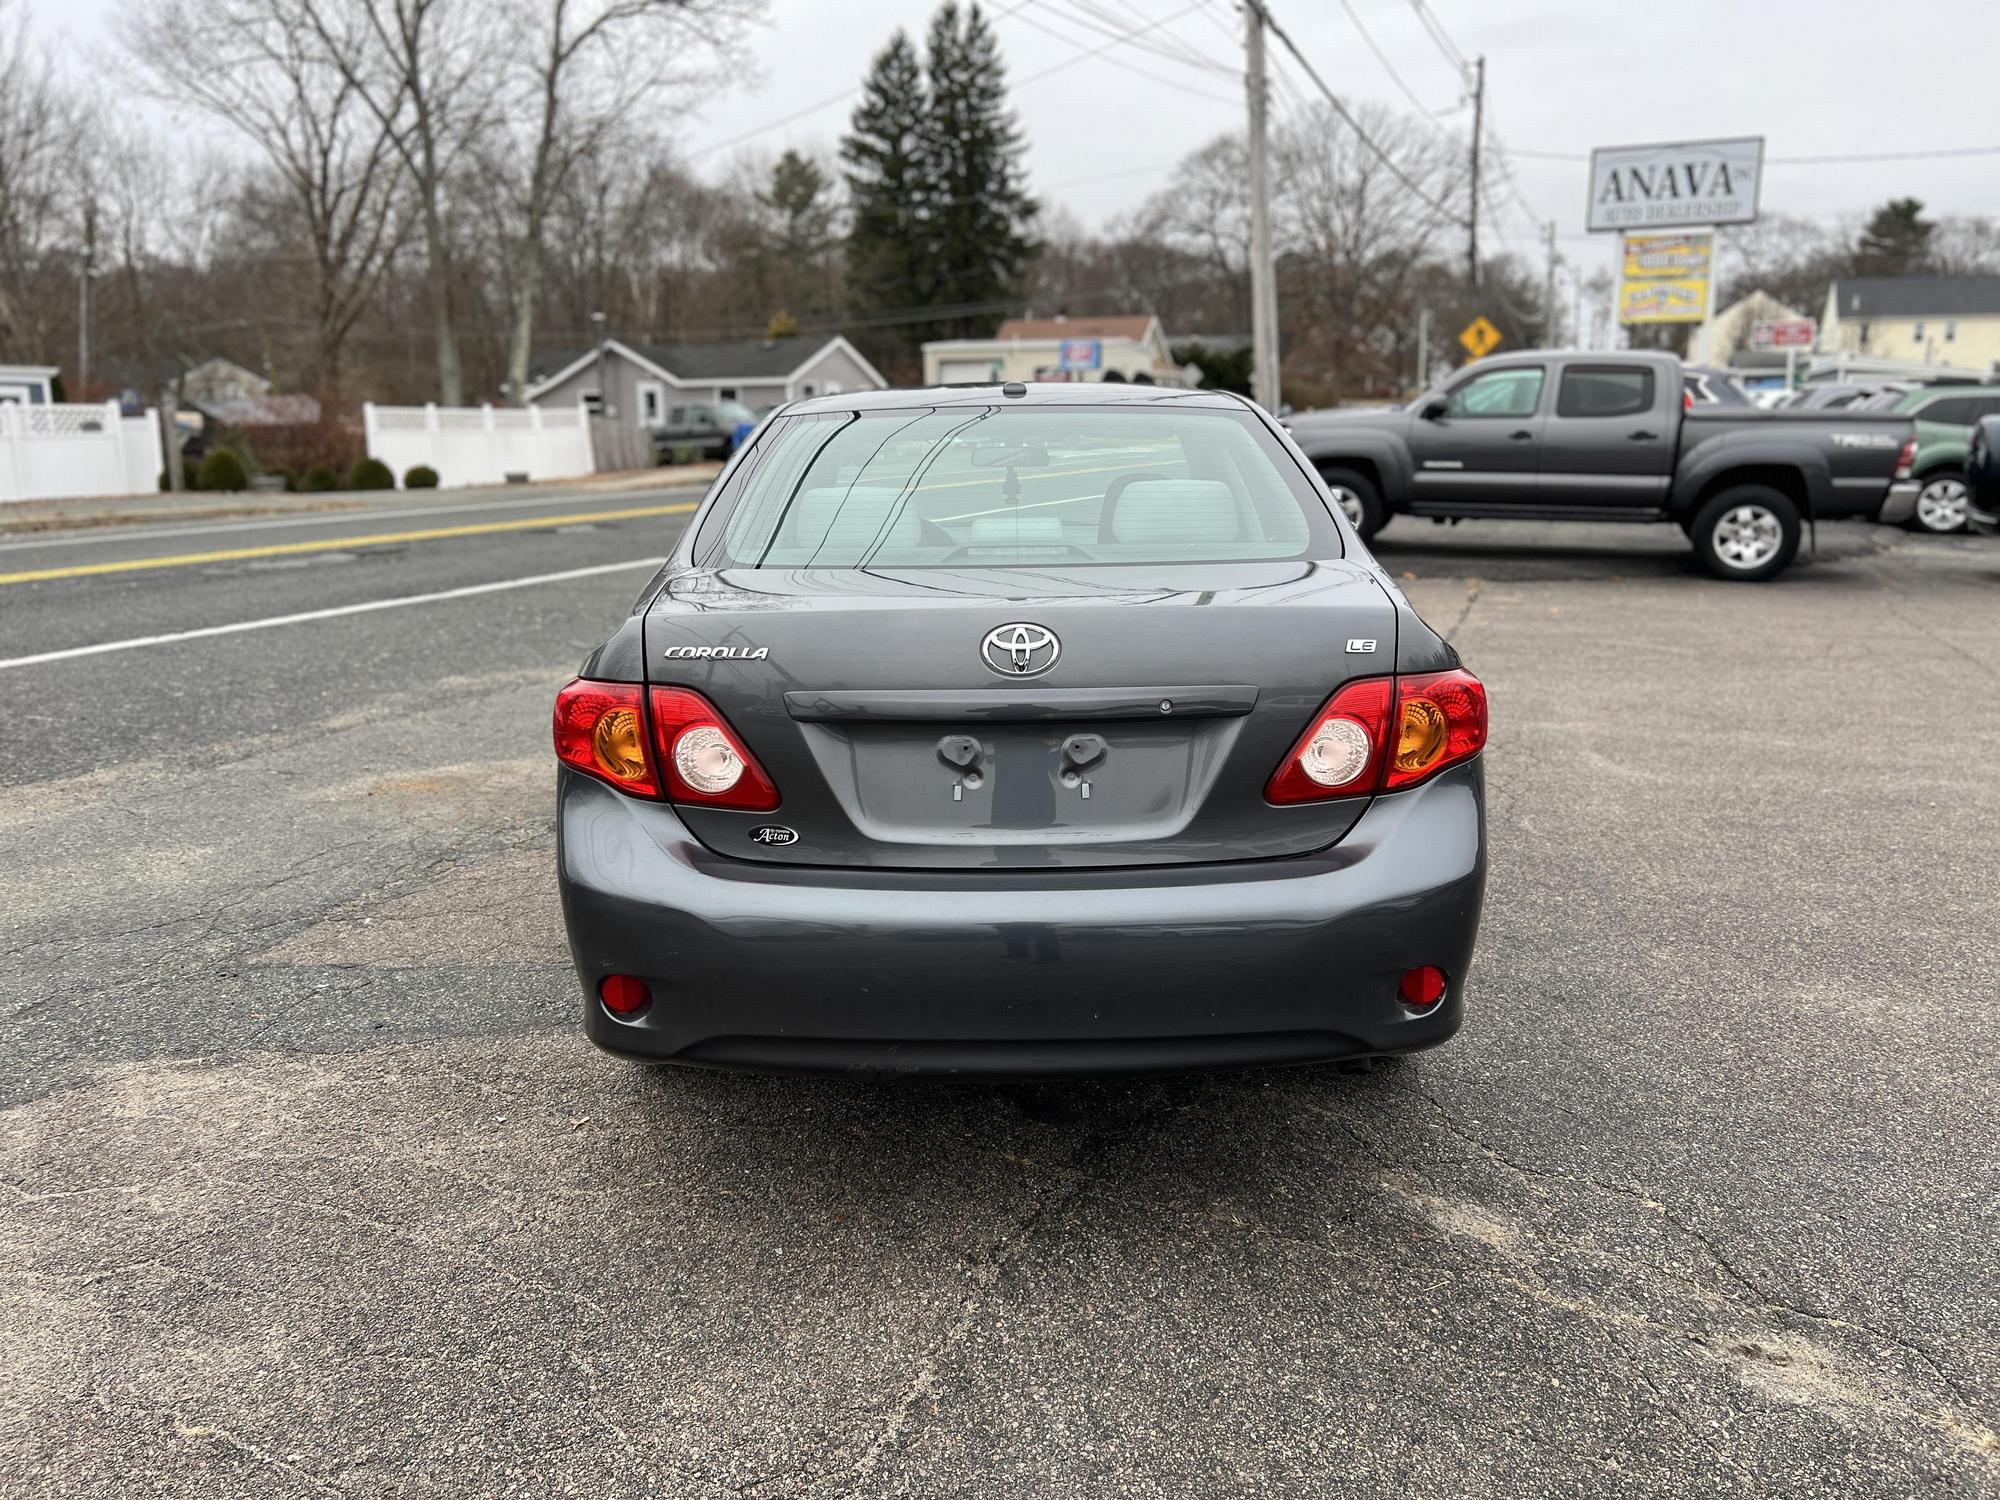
{"x": 1020, "y": 650}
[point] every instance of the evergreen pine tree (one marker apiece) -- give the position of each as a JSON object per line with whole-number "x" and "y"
{"x": 1897, "y": 241}
{"x": 979, "y": 240}
{"x": 888, "y": 184}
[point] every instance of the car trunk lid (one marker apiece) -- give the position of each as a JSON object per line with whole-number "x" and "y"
{"x": 966, "y": 719}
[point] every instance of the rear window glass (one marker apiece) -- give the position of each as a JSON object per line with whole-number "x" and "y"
{"x": 1958, "y": 410}
{"x": 994, "y": 487}
{"x": 1613, "y": 391}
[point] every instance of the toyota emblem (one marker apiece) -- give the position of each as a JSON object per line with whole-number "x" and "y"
{"x": 1020, "y": 650}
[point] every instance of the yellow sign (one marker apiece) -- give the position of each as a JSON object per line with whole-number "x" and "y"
{"x": 1479, "y": 338}
{"x": 1666, "y": 278}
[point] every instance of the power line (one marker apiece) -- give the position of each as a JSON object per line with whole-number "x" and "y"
{"x": 813, "y": 108}
{"x": 1946, "y": 153}
{"x": 1387, "y": 67}
{"x": 1342, "y": 110}
{"x": 1104, "y": 47}
{"x": 1443, "y": 38}
{"x": 1120, "y": 29}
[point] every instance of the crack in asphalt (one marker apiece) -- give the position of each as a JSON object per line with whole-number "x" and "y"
{"x": 1759, "y": 1298}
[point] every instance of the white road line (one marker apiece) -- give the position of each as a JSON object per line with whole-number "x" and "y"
{"x": 370, "y": 513}
{"x": 134, "y": 642}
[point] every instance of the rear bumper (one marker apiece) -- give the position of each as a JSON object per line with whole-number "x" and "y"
{"x": 1986, "y": 523}
{"x": 1197, "y": 966}
{"x": 1900, "y": 503}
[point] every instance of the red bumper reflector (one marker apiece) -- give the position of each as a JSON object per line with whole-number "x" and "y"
{"x": 1422, "y": 987}
{"x": 623, "y": 995}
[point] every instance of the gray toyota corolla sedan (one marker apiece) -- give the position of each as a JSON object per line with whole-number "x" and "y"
{"x": 1020, "y": 729}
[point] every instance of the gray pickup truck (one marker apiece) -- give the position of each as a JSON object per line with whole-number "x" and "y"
{"x": 1553, "y": 436}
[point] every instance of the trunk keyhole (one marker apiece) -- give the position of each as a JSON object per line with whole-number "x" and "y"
{"x": 1082, "y": 751}
{"x": 960, "y": 751}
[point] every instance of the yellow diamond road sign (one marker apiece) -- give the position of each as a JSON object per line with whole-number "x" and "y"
{"x": 1480, "y": 337}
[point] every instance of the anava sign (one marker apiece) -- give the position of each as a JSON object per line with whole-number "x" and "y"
{"x": 1682, "y": 183}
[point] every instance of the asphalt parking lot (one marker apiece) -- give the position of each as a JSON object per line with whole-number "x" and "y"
{"x": 310, "y": 1186}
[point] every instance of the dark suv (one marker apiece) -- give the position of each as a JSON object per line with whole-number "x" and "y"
{"x": 711, "y": 428}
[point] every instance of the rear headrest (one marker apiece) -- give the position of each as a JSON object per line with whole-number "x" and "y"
{"x": 1036, "y": 530}
{"x": 843, "y": 525}
{"x": 1176, "y": 512}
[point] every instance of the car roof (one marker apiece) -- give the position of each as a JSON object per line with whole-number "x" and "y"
{"x": 1031, "y": 394}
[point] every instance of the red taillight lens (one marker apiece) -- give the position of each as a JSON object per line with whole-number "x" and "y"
{"x": 1383, "y": 734}
{"x": 703, "y": 760}
{"x": 624, "y": 994}
{"x": 1421, "y": 987}
{"x": 1440, "y": 721}
{"x": 1340, "y": 754}
{"x": 600, "y": 729}
{"x": 1907, "y": 459}
{"x": 1687, "y": 399}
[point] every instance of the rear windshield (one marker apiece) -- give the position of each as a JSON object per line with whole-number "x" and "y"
{"x": 1012, "y": 487}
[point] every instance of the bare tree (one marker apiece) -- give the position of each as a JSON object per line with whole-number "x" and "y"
{"x": 41, "y": 141}
{"x": 583, "y": 71}
{"x": 332, "y": 159}
{"x": 1352, "y": 234}
{"x": 428, "y": 72}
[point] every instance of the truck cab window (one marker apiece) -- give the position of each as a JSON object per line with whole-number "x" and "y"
{"x": 1498, "y": 393}
{"x": 1608, "y": 391}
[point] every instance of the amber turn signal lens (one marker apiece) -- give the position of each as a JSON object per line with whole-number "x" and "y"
{"x": 1421, "y": 736}
{"x": 618, "y": 745}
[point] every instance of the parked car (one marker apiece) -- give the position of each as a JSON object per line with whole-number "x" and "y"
{"x": 1982, "y": 477}
{"x": 1835, "y": 396}
{"x": 1704, "y": 386}
{"x": 913, "y": 757}
{"x": 711, "y": 428}
{"x": 1603, "y": 437}
{"x": 1945, "y": 416}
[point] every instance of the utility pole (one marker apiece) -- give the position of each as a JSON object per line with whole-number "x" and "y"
{"x": 1550, "y": 322}
{"x": 1423, "y": 347}
{"x": 1478, "y": 128}
{"x": 1264, "y": 382}
{"x": 88, "y": 270}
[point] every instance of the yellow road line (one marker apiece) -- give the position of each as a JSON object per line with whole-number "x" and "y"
{"x": 332, "y": 544}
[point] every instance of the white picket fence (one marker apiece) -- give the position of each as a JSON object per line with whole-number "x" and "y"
{"x": 479, "y": 444}
{"x": 67, "y": 451}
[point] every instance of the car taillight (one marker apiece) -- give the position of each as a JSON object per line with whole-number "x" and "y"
{"x": 1383, "y": 734}
{"x": 1440, "y": 721}
{"x": 1907, "y": 459}
{"x": 703, "y": 760}
{"x": 1687, "y": 400}
{"x": 600, "y": 729}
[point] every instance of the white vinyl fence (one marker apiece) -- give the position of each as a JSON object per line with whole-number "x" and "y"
{"x": 479, "y": 444}
{"x": 65, "y": 451}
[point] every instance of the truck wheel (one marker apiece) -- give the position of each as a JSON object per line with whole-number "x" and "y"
{"x": 1746, "y": 534}
{"x": 1355, "y": 495}
{"x": 1940, "y": 504}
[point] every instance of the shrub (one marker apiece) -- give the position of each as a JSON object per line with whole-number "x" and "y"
{"x": 319, "y": 477}
{"x": 687, "y": 453}
{"x": 223, "y": 469}
{"x": 420, "y": 477}
{"x": 370, "y": 474}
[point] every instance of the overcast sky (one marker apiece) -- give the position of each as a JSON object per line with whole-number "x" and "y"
{"x": 1816, "y": 77}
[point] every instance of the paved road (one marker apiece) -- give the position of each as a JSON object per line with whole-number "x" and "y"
{"x": 308, "y": 1185}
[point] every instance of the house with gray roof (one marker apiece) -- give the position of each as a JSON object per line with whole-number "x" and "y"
{"x": 638, "y": 382}
{"x": 1933, "y": 320}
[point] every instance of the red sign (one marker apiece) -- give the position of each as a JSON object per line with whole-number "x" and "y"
{"x": 1785, "y": 333}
